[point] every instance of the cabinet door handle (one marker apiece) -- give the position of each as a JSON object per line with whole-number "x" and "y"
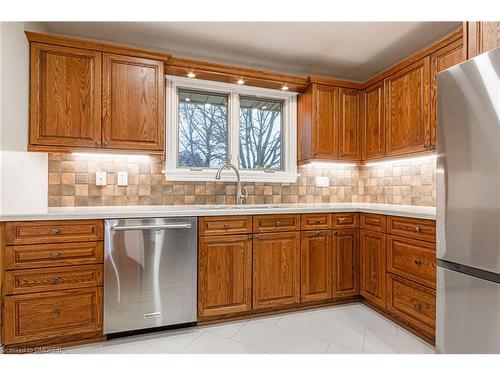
{"x": 278, "y": 223}
{"x": 418, "y": 307}
{"x": 318, "y": 233}
{"x": 56, "y": 314}
{"x": 418, "y": 262}
{"x": 56, "y": 231}
{"x": 55, "y": 256}
{"x": 55, "y": 280}
{"x": 226, "y": 226}
{"x": 341, "y": 219}
{"x": 418, "y": 229}
{"x": 256, "y": 237}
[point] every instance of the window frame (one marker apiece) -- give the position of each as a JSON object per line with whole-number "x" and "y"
{"x": 289, "y": 131}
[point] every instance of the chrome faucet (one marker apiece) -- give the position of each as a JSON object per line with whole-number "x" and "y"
{"x": 241, "y": 192}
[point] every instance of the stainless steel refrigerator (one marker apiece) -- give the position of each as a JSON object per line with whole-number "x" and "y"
{"x": 468, "y": 207}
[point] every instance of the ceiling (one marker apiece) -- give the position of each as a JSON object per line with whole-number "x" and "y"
{"x": 348, "y": 50}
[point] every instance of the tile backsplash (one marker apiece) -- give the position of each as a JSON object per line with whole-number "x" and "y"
{"x": 72, "y": 183}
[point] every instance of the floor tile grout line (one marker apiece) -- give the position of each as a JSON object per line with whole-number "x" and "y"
{"x": 191, "y": 343}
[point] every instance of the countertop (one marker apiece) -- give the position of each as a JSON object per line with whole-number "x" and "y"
{"x": 114, "y": 212}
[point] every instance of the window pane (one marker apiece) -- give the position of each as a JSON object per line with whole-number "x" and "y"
{"x": 260, "y": 133}
{"x": 202, "y": 129}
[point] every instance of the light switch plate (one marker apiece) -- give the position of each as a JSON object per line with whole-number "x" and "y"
{"x": 100, "y": 178}
{"x": 122, "y": 178}
{"x": 322, "y": 181}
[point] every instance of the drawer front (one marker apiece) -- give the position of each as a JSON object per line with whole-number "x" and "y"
{"x": 276, "y": 223}
{"x": 372, "y": 222}
{"x": 51, "y": 279}
{"x": 346, "y": 221}
{"x": 414, "y": 228}
{"x": 315, "y": 221}
{"x": 39, "y": 316}
{"x": 412, "y": 302}
{"x": 53, "y": 255}
{"x": 414, "y": 260}
{"x": 37, "y": 232}
{"x": 214, "y": 226}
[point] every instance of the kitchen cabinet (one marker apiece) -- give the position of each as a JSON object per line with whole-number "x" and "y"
{"x": 65, "y": 96}
{"x": 316, "y": 265}
{"x": 132, "y": 103}
{"x": 349, "y": 125}
{"x": 407, "y": 109}
{"x": 373, "y": 267}
{"x": 276, "y": 269}
{"x": 373, "y": 122}
{"x": 224, "y": 275}
{"x": 444, "y": 58}
{"x": 345, "y": 263}
{"x": 83, "y": 98}
{"x": 481, "y": 37}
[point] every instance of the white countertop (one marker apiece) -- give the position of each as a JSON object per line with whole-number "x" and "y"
{"x": 114, "y": 212}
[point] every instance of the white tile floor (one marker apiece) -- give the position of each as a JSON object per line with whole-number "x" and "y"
{"x": 344, "y": 329}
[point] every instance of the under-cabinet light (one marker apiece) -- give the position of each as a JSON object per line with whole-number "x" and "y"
{"x": 100, "y": 156}
{"x": 187, "y": 100}
{"x": 325, "y": 164}
{"x": 191, "y": 75}
{"x": 284, "y": 87}
{"x": 241, "y": 81}
{"x": 402, "y": 160}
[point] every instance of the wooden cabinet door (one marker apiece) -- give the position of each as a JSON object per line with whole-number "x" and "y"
{"x": 481, "y": 37}
{"x": 325, "y": 134}
{"x": 349, "y": 125}
{"x": 407, "y": 97}
{"x": 442, "y": 59}
{"x": 224, "y": 275}
{"x": 276, "y": 269}
{"x": 65, "y": 96}
{"x": 372, "y": 122}
{"x": 133, "y": 103}
{"x": 316, "y": 262}
{"x": 345, "y": 263}
{"x": 373, "y": 267}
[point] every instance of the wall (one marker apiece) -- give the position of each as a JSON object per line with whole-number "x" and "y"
{"x": 23, "y": 175}
{"x": 72, "y": 183}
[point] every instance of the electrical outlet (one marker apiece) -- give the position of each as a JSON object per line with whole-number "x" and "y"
{"x": 322, "y": 181}
{"x": 100, "y": 178}
{"x": 122, "y": 178}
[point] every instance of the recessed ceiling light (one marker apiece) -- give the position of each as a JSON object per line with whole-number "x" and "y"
{"x": 191, "y": 75}
{"x": 187, "y": 99}
{"x": 284, "y": 87}
{"x": 241, "y": 81}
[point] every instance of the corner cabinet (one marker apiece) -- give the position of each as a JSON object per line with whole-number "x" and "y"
{"x": 407, "y": 104}
{"x": 82, "y": 98}
{"x": 373, "y": 267}
{"x": 346, "y": 263}
{"x": 349, "y": 125}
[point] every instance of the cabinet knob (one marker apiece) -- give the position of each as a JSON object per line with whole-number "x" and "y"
{"x": 317, "y": 222}
{"x": 226, "y": 226}
{"x": 56, "y": 231}
{"x": 55, "y": 280}
{"x": 418, "y": 229}
{"x": 278, "y": 223}
{"x": 55, "y": 255}
{"x": 97, "y": 143}
{"x": 418, "y": 307}
{"x": 56, "y": 314}
{"x": 256, "y": 237}
{"x": 317, "y": 233}
{"x": 418, "y": 262}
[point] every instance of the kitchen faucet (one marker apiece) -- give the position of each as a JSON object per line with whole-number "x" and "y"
{"x": 241, "y": 192}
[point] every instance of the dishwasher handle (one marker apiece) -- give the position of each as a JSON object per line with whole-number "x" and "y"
{"x": 152, "y": 227}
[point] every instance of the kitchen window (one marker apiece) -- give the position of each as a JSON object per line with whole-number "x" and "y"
{"x": 212, "y": 123}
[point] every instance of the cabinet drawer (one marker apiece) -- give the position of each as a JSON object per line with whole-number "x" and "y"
{"x": 346, "y": 221}
{"x": 39, "y": 316}
{"x": 276, "y": 223}
{"x": 217, "y": 225}
{"x": 413, "y": 228}
{"x": 50, "y": 279}
{"x": 412, "y": 302}
{"x": 372, "y": 222}
{"x": 315, "y": 221}
{"x": 52, "y": 255}
{"x": 415, "y": 260}
{"x": 35, "y": 232}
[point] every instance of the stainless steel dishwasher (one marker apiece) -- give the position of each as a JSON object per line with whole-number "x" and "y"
{"x": 149, "y": 273}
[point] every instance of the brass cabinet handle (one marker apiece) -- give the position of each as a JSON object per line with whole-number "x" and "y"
{"x": 278, "y": 223}
{"x": 418, "y": 262}
{"x": 98, "y": 143}
{"x": 418, "y": 307}
{"x": 318, "y": 233}
{"x": 418, "y": 229}
{"x": 256, "y": 237}
{"x": 55, "y": 256}
{"x": 56, "y": 231}
{"x": 55, "y": 280}
{"x": 56, "y": 314}
{"x": 317, "y": 222}
{"x": 226, "y": 226}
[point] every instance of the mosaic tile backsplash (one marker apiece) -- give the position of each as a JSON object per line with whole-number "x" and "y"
{"x": 72, "y": 183}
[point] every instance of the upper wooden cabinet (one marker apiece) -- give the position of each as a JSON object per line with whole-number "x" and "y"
{"x": 372, "y": 122}
{"x": 65, "y": 96}
{"x": 481, "y": 37}
{"x": 407, "y": 104}
{"x": 84, "y": 98}
{"x": 132, "y": 103}
{"x": 328, "y": 124}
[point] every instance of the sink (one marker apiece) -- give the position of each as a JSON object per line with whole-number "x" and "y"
{"x": 237, "y": 207}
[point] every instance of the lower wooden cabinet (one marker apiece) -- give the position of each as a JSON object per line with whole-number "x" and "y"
{"x": 412, "y": 303}
{"x": 373, "y": 267}
{"x": 224, "y": 275}
{"x": 316, "y": 262}
{"x": 276, "y": 269}
{"x": 345, "y": 263}
{"x": 41, "y": 316}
